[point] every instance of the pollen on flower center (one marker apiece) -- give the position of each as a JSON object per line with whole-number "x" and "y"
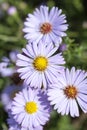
{"x": 70, "y": 91}
{"x": 46, "y": 28}
{"x": 31, "y": 107}
{"x": 40, "y": 63}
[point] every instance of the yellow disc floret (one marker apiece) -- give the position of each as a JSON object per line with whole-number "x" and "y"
{"x": 31, "y": 107}
{"x": 40, "y": 63}
{"x": 70, "y": 91}
{"x": 46, "y": 28}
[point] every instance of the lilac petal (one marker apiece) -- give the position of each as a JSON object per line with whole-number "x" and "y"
{"x": 25, "y": 121}
{"x": 71, "y": 108}
{"x": 82, "y": 104}
{"x": 63, "y": 106}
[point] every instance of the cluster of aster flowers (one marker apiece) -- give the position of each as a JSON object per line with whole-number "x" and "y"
{"x": 47, "y": 83}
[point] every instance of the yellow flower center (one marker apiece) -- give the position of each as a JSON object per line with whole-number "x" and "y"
{"x": 31, "y": 107}
{"x": 46, "y": 28}
{"x": 40, "y": 63}
{"x": 70, "y": 91}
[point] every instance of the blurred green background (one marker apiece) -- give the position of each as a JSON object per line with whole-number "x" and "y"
{"x": 11, "y": 37}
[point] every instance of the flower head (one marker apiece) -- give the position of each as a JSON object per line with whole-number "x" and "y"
{"x": 5, "y": 70}
{"x": 69, "y": 91}
{"x": 62, "y": 47}
{"x": 30, "y": 108}
{"x": 12, "y": 10}
{"x": 38, "y": 66}
{"x": 13, "y": 56}
{"x": 7, "y": 95}
{"x": 7, "y": 66}
{"x": 47, "y": 26}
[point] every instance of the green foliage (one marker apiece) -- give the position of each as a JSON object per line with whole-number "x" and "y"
{"x": 65, "y": 124}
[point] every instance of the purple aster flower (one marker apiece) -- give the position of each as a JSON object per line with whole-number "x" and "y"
{"x": 62, "y": 47}
{"x": 38, "y": 66}
{"x": 5, "y": 70}
{"x": 8, "y": 94}
{"x": 68, "y": 91}
{"x": 7, "y": 67}
{"x": 13, "y": 125}
{"x": 5, "y": 59}
{"x": 45, "y": 25}
{"x": 12, "y": 10}
{"x": 13, "y": 56}
{"x": 30, "y": 108}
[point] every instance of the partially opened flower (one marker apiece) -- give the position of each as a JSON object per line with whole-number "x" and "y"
{"x": 13, "y": 56}
{"x": 62, "y": 47}
{"x": 5, "y": 70}
{"x": 12, "y": 10}
{"x": 45, "y": 25}
{"x": 38, "y": 66}
{"x": 8, "y": 94}
{"x": 7, "y": 66}
{"x": 68, "y": 91}
{"x": 30, "y": 108}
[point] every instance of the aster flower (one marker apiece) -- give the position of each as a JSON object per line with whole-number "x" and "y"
{"x": 13, "y": 125}
{"x": 8, "y": 94}
{"x": 38, "y": 66}
{"x": 13, "y": 56}
{"x": 63, "y": 47}
{"x": 68, "y": 91}
{"x": 12, "y": 10}
{"x": 30, "y": 108}
{"x": 7, "y": 67}
{"x": 5, "y": 70}
{"x": 45, "y": 25}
